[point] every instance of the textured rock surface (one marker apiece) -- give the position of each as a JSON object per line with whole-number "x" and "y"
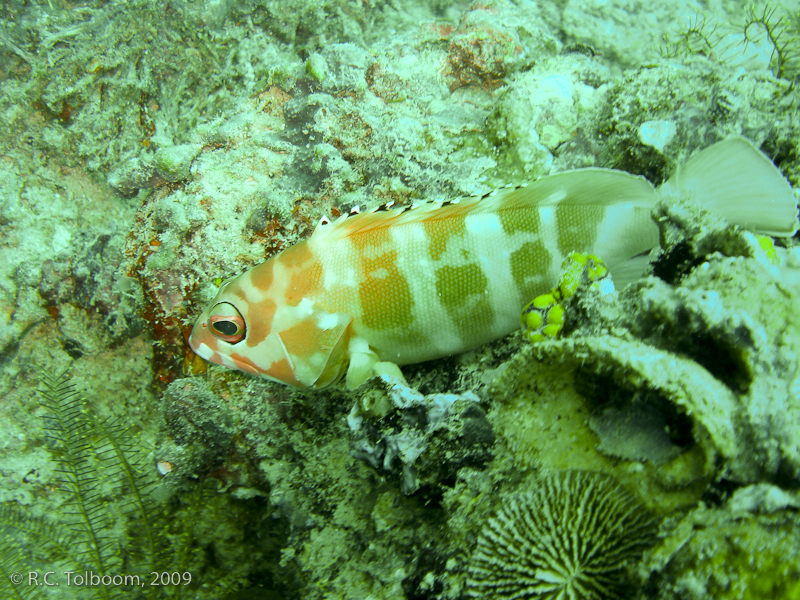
{"x": 151, "y": 150}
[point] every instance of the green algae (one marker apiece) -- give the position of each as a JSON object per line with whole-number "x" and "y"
{"x": 733, "y": 552}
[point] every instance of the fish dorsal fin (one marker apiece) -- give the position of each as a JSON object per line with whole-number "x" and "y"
{"x": 593, "y": 186}
{"x": 737, "y": 182}
{"x": 589, "y": 186}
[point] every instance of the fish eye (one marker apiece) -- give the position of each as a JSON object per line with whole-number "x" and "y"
{"x": 226, "y": 323}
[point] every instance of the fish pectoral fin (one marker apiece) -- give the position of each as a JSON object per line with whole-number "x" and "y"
{"x": 389, "y": 372}
{"x": 362, "y": 360}
{"x": 365, "y": 364}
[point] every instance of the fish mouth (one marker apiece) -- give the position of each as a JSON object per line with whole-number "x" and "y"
{"x": 208, "y": 353}
{"x": 199, "y": 347}
{"x": 203, "y": 351}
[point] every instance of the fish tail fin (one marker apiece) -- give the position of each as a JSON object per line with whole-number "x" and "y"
{"x": 735, "y": 180}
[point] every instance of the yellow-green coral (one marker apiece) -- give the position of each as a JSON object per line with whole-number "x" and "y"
{"x": 768, "y": 246}
{"x": 544, "y": 316}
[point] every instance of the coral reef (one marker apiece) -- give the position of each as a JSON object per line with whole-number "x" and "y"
{"x": 152, "y": 150}
{"x": 684, "y": 385}
{"x": 711, "y": 348}
{"x": 336, "y": 514}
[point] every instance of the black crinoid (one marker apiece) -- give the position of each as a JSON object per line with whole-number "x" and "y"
{"x": 567, "y": 536}
{"x": 778, "y": 30}
{"x": 110, "y": 523}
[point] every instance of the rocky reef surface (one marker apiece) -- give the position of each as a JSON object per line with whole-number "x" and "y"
{"x": 152, "y": 150}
